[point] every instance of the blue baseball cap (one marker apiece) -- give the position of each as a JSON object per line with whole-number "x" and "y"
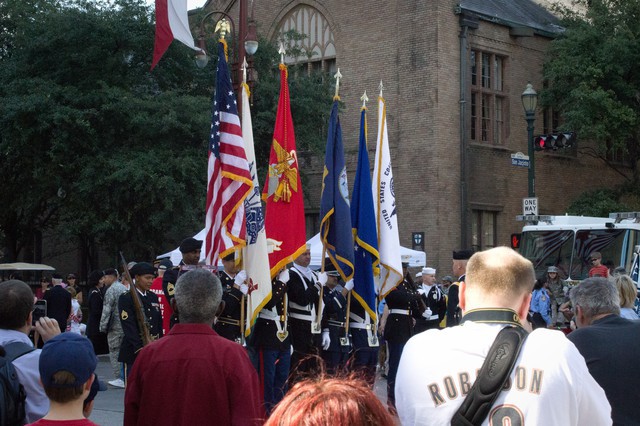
{"x": 67, "y": 352}
{"x": 96, "y": 386}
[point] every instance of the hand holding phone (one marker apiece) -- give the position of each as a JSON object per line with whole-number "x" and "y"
{"x": 39, "y": 311}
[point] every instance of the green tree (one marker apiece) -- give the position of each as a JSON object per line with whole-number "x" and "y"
{"x": 594, "y": 82}
{"x": 598, "y": 203}
{"x": 99, "y": 150}
{"x": 91, "y": 143}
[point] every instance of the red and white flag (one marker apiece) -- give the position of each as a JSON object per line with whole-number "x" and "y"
{"x": 172, "y": 22}
{"x": 229, "y": 181}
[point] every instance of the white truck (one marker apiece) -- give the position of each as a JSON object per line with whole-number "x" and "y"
{"x": 567, "y": 242}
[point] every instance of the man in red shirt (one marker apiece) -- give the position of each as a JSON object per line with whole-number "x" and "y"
{"x": 598, "y": 269}
{"x": 156, "y": 287}
{"x": 213, "y": 376}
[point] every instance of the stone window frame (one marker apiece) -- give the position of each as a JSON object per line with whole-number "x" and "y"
{"x": 484, "y": 226}
{"x": 320, "y": 42}
{"x": 489, "y": 101}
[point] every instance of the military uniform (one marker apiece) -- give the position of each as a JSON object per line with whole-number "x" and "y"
{"x": 228, "y": 325}
{"x": 453, "y": 311}
{"x": 303, "y": 293}
{"x": 226, "y": 280}
{"x": 333, "y": 321}
{"x": 435, "y": 303}
{"x": 404, "y": 305}
{"x": 364, "y": 341}
{"x": 169, "y": 280}
{"x": 132, "y": 342}
{"x": 270, "y": 346}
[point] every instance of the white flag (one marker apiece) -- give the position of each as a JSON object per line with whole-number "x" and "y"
{"x": 254, "y": 254}
{"x": 384, "y": 204}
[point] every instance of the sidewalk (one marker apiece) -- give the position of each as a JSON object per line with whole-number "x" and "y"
{"x": 108, "y": 409}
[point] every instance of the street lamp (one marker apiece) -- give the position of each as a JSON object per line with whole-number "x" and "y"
{"x": 246, "y": 43}
{"x": 530, "y": 102}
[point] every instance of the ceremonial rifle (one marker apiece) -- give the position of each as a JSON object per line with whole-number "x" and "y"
{"x": 141, "y": 318}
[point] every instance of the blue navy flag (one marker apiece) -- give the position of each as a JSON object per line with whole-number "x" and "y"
{"x": 335, "y": 217}
{"x": 363, "y": 220}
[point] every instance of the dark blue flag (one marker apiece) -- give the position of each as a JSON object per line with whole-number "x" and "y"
{"x": 335, "y": 217}
{"x": 366, "y": 256}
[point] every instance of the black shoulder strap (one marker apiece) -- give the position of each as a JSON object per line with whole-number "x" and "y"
{"x": 15, "y": 350}
{"x": 494, "y": 373}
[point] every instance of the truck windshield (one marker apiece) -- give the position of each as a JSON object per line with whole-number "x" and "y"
{"x": 571, "y": 253}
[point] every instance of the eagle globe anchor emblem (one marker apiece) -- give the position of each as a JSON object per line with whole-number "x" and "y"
{"x": 283, "y": 179}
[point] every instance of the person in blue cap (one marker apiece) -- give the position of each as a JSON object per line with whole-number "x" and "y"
{"x": 67, "y": 370}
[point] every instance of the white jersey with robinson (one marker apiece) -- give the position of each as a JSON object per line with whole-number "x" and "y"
{"x": 550, "y": 384}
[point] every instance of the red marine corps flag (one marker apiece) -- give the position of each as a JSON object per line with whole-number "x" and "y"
{"x": 284, "y": 217}
{"x": 229, "y": 180}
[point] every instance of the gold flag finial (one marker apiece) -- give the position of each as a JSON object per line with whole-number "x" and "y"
{"x": 223, "y": 27}
{"x": 364, "y": 99}
{"x": 337, "y": 76}
{"x": 281, "y": 51}
{"x": 245, "y": 65}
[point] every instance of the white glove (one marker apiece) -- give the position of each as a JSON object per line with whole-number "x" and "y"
{"x": 283, "y": 276}
{"x": 240, "y": 278}
{"x": 326, "y": 340}
{"x": 427, "y": 313}
{"x": 322, "y": 278}
{"x": 244, "y": 288}
{"x": 348, "y": 285}
{"x": 421, "y": 291}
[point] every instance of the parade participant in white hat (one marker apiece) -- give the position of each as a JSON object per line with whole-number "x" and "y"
{"x": 434, "y": 300}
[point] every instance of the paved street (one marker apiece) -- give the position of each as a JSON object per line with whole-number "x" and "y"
{"x": 109, "y": 405}
{"x": 108, "y": 409}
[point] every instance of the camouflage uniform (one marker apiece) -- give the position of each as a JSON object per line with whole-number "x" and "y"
{"x": 110, "y": 323}
{"x": 556, "y": 289}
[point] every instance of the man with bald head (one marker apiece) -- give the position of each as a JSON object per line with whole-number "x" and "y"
{"x": 550, "y": 383}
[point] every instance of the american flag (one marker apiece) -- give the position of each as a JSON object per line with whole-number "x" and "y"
{"x": 229, "y": 179}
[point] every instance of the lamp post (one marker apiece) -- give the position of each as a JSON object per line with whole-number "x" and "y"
{"x": 530, "y": 102}
{"x": 246, "y": 43}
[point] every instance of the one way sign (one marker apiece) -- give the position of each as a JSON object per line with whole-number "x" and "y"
{"x": 530, "y": 206}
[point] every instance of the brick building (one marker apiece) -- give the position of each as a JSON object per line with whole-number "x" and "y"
{"x": 453, "y": 74}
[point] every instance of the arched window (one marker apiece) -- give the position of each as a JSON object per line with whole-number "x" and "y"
{"x": 318, "y": 47}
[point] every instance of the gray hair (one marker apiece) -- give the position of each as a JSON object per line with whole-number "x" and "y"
{"x": 596, "y": 296}
{"x": 198, "y": 294}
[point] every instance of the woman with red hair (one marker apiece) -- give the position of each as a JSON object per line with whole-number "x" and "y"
{"x": 332, "y": 401}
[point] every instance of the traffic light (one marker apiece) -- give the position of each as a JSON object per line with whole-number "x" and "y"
{"x": 566, "y": 139}
{"x": 540, "y": 143}
{"x": 554, "y": 141}
{"x": 515, "y": 241}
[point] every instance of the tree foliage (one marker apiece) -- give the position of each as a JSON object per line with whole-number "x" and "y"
{"x": 594, "y": 81}
{"x": 92, "y": 144}
{"x": 598, "y": 203}
{"x": 99, "y": 150}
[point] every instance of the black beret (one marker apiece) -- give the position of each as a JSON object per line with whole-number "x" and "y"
{"x": 142, "y": 268}
{"x": 94, "y": 277}
{"x": 190, "y": 244}
{"x": 462, "y": 254}
{"x": 110, "y": 271}
{"x": 165, "y": 264}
